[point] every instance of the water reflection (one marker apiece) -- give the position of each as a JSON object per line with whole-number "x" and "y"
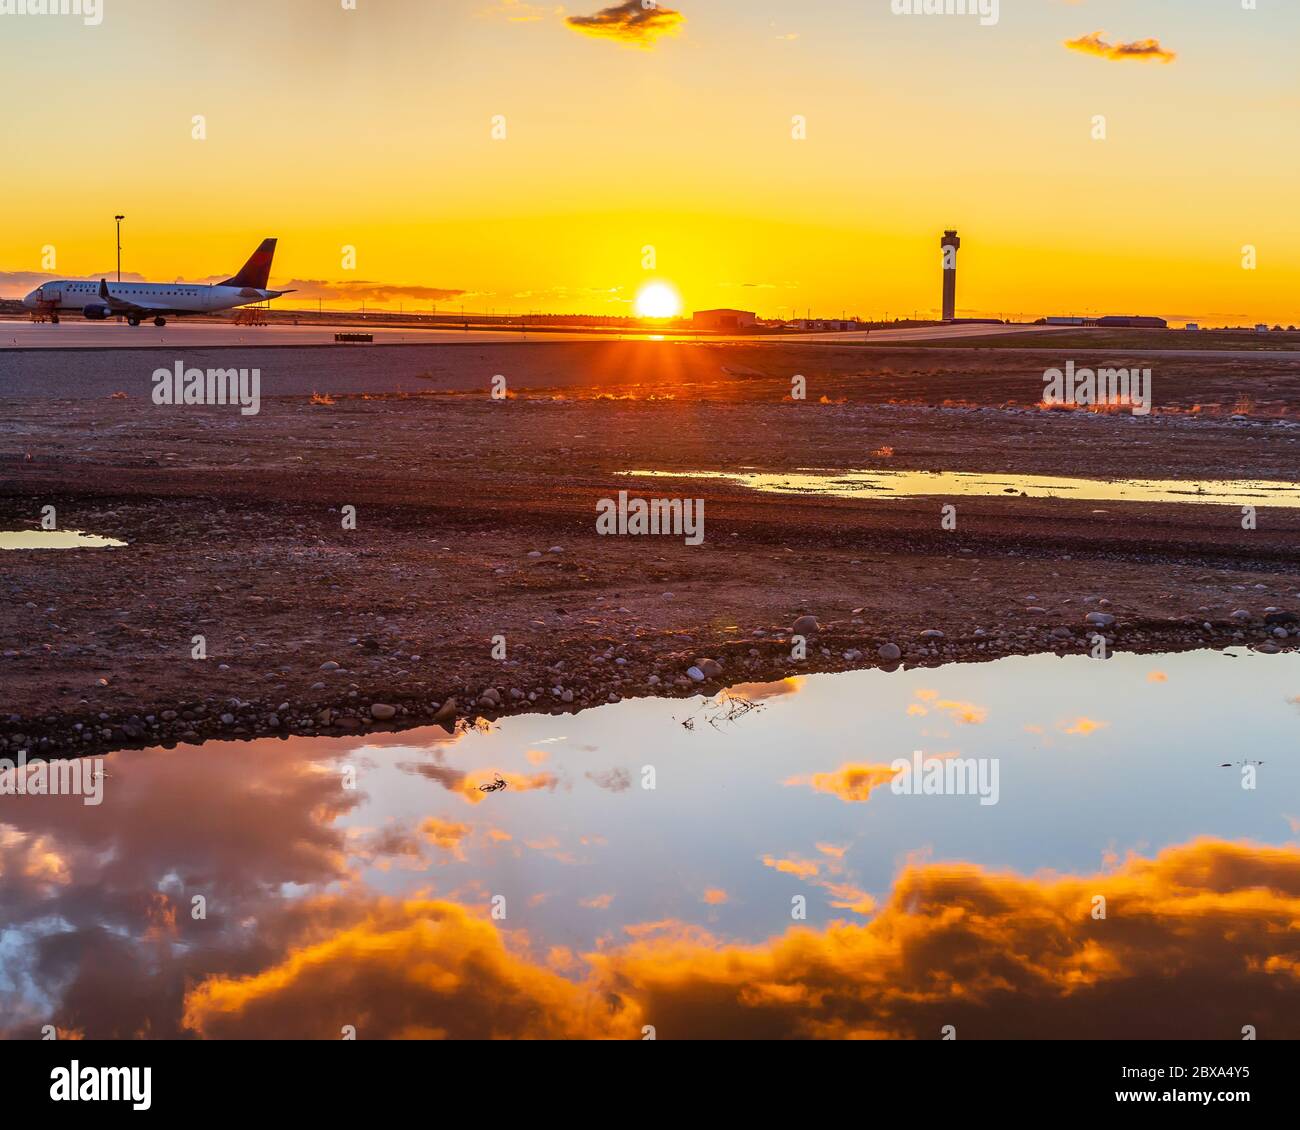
{"x": 55, "y": 539}
{"x": 912, "y": 484}
{"x": 290, "y": 888}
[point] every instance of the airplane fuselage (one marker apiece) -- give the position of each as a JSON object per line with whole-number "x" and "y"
{"x": 76, "y": 295}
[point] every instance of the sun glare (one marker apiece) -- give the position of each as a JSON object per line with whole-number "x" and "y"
{"x": 658, "y": 300}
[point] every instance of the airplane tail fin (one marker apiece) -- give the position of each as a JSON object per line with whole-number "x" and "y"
{"x": 257, "y": 270}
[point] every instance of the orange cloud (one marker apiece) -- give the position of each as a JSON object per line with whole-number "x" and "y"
{"x": 758, "y": 691}
{"x": 850, "y": 782}
{"x": 803, "y": 868}
{"x": 1142, "y": 49}
{"x": 407, "y": 970}
{"x": 630, "y": 23}
{"x": 967, "y": 713}
{"x": 597, "y": 902}
{"x": 1083, "y": 726}
{"x": 445, "y": 834}
{"x": 1196, "y": 942}
{"x": 715, "y": 896}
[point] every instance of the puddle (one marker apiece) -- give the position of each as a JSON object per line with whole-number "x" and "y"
{"x": 524, "y": 881}
{"x": 55, "y": 539}
{"x": 914, "y": 484}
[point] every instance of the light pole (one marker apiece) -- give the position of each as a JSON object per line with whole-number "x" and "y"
{"x": 119, "y": 220}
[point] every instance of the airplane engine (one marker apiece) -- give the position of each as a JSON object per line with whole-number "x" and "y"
{"x": 96, "y": 313}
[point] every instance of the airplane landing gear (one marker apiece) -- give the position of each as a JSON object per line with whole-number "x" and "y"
{"x": 54, "y": 318}
{"x": 160, "y": 322}
{"x": 132, "y": 320}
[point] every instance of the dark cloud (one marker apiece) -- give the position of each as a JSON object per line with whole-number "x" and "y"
{"x": 1142, "y": 49}
{"x": 630, "y": 23}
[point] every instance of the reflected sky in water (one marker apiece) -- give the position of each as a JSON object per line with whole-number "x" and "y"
{"x": 55, "y": 539}
{"x": 626, "y": 906}
{"x": 914, "y": 484}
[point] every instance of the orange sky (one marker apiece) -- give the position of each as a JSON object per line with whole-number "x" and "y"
{"x": 374, "y": 129}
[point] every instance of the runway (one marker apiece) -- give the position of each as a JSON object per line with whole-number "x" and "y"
{"x": 77, "y": 333}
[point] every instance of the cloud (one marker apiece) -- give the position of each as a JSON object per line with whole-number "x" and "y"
{"x": 629, "y": 23}
{"x": 801, "y": 868}
{"x": 1144, "y": 50}
{"x": 852, "y": 783}
{"x": 966, "y": 713}
{"x": 359, "y": 289}
{"x": 445, "y": 834}
{"x": 715, "y": 896}
{"x": 405, "y": 970}
{"x": 1197, "y": 941}
{"x": 793, "y": 684}
{"x": 467, "y": 784}
{"x": 1082, "y": 726}
{"x": 616, "y": 780}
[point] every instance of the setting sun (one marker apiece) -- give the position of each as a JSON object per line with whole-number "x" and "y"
{"x": 658, "y": 300}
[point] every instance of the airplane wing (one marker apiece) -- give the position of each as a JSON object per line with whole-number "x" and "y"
{"x": 124, "y": 307}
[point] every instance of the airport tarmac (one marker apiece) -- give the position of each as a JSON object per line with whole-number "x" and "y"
{"x": 77, "y": 333}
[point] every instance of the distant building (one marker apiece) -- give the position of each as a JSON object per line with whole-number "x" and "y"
{"x": 1065, "y": 321}
{"x": 1191, "y": 326}
{"x": 723, "y": 319}
{"x": 825, "y": 325}
{"x": 1133, "y": 322}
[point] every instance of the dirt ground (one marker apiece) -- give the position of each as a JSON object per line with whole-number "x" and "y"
{"x": 236, "y": 530}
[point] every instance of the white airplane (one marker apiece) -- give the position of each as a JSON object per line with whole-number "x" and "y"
{"x": 137, "y": 301}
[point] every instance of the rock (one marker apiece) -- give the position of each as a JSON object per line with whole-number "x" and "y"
{"x": 446, "y": 712}
{"x": 1240, "y": 614}
{"x": 805, "y": 625}
{"x": 382, "y": 712}
{"x": 1099, "y": 619}
{"x": 695, "y": 674}
{"x": 1281, "y": 618}
{"x": 711, "y": 667}
{"x": 890, "y": 652}
{"x": 329, "y": 665}
{"x": 932, "y": 634}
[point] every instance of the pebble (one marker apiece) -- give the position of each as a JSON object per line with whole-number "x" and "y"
{"x": 890, "y": 652}
{"x": 695, "y": 674}
{"x": 382, "y": 712}
{"x": 1099, "y": 619}
{"x": 805, "y": 625}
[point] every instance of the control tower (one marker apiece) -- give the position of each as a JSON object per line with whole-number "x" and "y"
{"x": 950, "y": 243}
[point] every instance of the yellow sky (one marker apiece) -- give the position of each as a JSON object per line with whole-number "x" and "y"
{"x": 373, "y": 128}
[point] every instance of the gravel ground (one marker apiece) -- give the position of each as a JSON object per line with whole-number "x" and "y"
{"x": 475, "y": 519}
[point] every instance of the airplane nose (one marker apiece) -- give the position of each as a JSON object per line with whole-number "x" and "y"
{"x": 31, "y": 300}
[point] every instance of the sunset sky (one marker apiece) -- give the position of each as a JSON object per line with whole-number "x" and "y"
{"x": 373, "y": 128}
